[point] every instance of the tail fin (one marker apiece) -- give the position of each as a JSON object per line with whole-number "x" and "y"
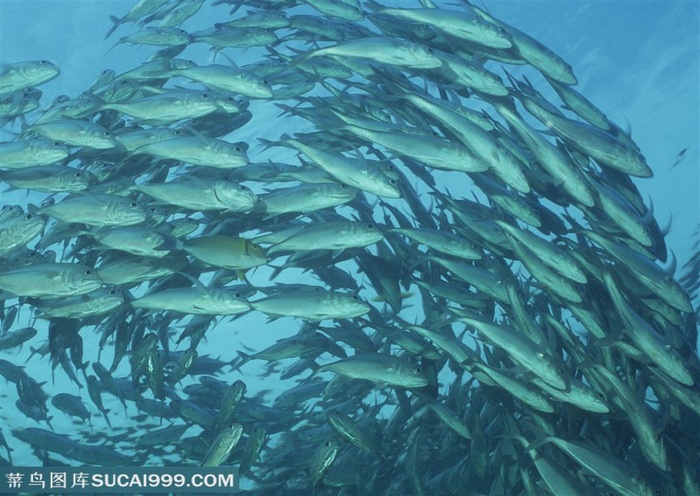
{"x": 117, "y": 22}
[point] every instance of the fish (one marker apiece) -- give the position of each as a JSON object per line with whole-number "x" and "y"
{"x": 305, "y": 198}
{"x": 463, "y": 24}
{"x": 142, "y": 9}
{"x": 75, "y": 133}
{"x": 158, "y": 36}
{"x": 383, "y": 369}
{"x": 50, "y": 280}
{"x": 15, "y": 338}
{"x": 92, "y": 304}
{"x": 336, "y": 236}
{"x": 322, "y": 459}
{"x": 165, "y": 108}
{"x": 34, "y": 153}
{"x": 522, "y": 350}
{"x": 71, "y": 405}
{"x": 97, "y": 209}
{"x": 225, "y": 251}
{"x": 380, "y": 49}
{"x": 194, "y": 300}
{"x": 27, "y": 74}
{"x": 18, "y": 230}
{"x": 227, "y": 78}
{"x": 221, "y": 446}
{"x": 49, "y": 179}
{"x": 202, "y": 194}
{"x": 361, "y": 174}
{"x": 254, "y": 445}
{"x": 198, "y": 150}
{"x": 315, "y": 304}
{"x": 485, "y": 299}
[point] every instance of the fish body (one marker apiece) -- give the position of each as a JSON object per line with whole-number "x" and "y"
{"x": 313, "y": 304}
{"x": 202, "y": 194}
{"x": 198, "y": 150}
{"x": 33, "y": 153}
{"x": 222, "y": 445}
{"x": 463, "y": 24}
{"x": 228, "y": 79}
{"x": 195, "y": 300}
{"x": 21, "y": 75}
{"x": 336, "y": 235}
{"x": 379, "y": 368}
{"x": 50, "y": 280}
{"x": 228, "y": 252}
{"x": 97, "y": 209}
{"x": 76, "y": 133}
{"x": 384, "y": 50}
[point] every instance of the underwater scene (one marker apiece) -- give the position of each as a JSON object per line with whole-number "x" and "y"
{"x": 352, "y": 247}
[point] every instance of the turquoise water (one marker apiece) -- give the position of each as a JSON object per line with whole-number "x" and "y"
{"x": 636, "y": 61}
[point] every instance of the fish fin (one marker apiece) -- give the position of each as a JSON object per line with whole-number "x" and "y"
{"x": 302, "y": 56}
{"x": 244, "y": 357}
{"x": 296, "y": 256}
{"x": 117, "y": 22}
{"x": 230, "y": 60}
{"x": 270, "y": 143}
{"x": 169, "y": 243}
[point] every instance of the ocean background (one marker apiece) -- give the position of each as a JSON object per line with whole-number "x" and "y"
{"x": 638, "y": 61}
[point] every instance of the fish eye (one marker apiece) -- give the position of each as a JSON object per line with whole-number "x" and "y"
{"x": 177, "y": 132}
{"x": 328, "y": 444}
{"x": 87, "y": 272}
{"x": 44, "y": 62}
{"x": 112, "y": 292}
{"x": 28, "y": 217}
{"x": 370, "y": 226}
{"x": 237, "y": 148}
{"x": 107, "y": 133}
{"x": 356, "y": 298}
{"x": 393, "y": 181}
{"x": 205, "y": 95}
{"x": 78, "y": 174}
{"x": 133, "y": 204}
{"x": 57, "y": 143}
{"x": 237, "y": 294}
{"x": 153, "y": 210}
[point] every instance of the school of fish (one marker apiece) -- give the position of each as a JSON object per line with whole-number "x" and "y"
{"x": 485, "y": 303}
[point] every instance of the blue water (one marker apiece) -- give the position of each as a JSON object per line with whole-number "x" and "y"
{"x": 637, "y": 61}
